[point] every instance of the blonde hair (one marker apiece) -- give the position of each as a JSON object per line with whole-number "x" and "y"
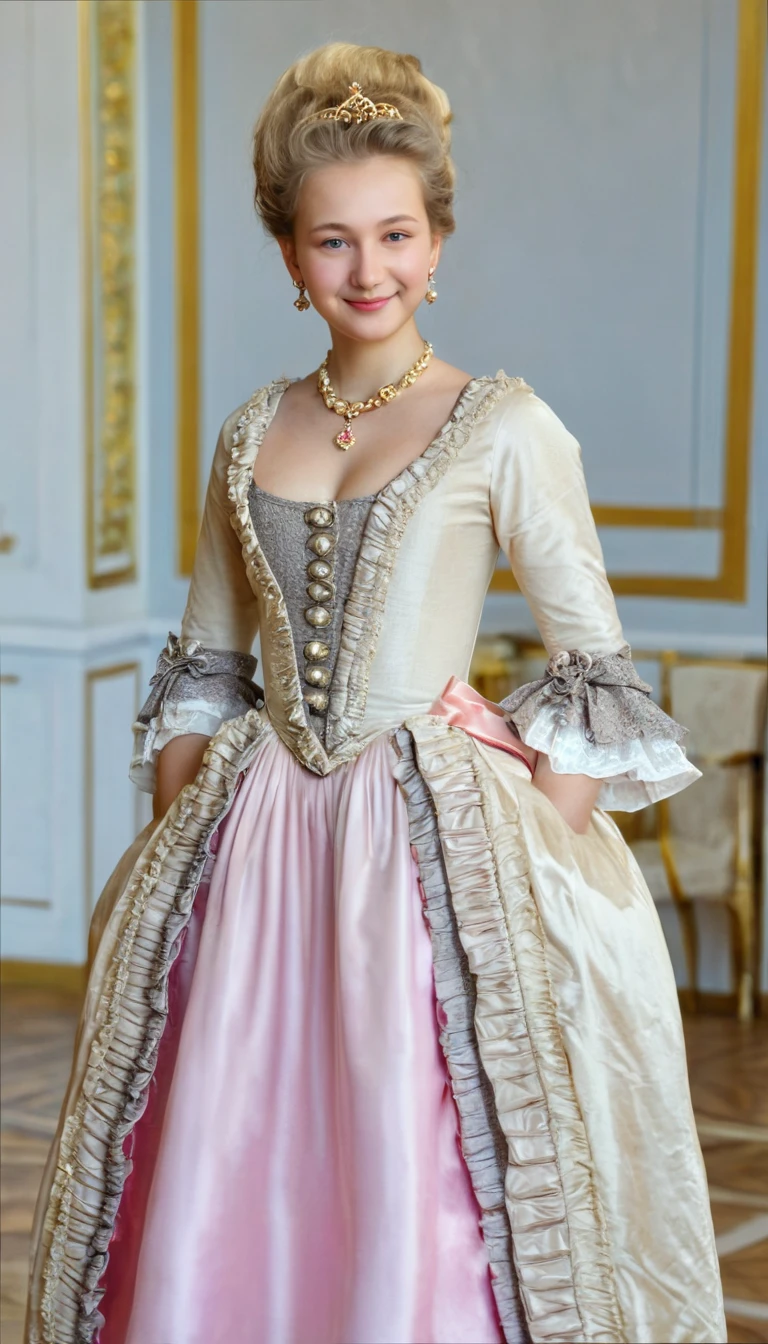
{"x": 286, "y": 148}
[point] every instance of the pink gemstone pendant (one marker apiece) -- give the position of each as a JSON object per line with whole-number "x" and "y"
{"x": 345, "y": 439}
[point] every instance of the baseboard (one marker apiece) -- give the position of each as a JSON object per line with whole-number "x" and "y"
{"x": 65, "y": 976}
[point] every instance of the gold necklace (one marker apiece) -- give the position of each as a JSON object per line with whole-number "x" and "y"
{"x": 351, "y": 409}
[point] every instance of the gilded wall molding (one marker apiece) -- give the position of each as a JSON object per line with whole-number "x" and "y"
{"x": 107, "y": 38}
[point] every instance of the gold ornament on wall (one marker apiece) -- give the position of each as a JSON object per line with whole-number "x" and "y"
{"x": 107, "y": 77}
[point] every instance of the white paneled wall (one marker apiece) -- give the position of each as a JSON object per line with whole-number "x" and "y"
{"x": 67, "y": 807}
{"x": 73, "y": 661}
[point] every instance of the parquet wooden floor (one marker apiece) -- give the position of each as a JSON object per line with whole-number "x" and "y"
{"x": 729, "y": 1080}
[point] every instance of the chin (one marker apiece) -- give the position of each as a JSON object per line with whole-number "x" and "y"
{"x": 371, "y": 326}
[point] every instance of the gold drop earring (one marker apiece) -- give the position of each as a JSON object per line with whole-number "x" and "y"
{"x": 431, "y": 293}
{"x": 302, "y": 303}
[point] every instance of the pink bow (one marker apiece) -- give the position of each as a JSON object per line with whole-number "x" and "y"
{"x": 465, "y": 708}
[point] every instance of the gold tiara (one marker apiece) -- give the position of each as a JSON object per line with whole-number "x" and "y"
{"x": 356, "y": 108}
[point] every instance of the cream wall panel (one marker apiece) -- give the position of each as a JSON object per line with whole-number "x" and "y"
{"x": 649, "y": 550}
{"x": 42, "y": 852}
{"x": 67, "y": 701}
{"x": 19, "y": 512}
{"x": 41, "y": 364}
{"x": 43, "y": 352}
{"x": 26, "y": 734}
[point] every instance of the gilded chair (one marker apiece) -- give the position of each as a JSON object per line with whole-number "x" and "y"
{"x": 708, "y": 846}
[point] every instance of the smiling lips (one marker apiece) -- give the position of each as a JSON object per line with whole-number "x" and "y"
{"x": 368, "y": 305}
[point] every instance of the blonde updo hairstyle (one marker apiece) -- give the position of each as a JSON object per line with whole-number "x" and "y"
{"x": 287, "y": 148}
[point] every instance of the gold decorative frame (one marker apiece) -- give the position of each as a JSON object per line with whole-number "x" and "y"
{"x": 730, "y": 521}
{"x": 107, "y": 64}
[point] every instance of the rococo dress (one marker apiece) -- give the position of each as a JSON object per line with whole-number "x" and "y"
{"x": 375, "y": 1048}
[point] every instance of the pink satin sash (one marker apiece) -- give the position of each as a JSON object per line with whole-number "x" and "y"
{"x": 465, "y": 708}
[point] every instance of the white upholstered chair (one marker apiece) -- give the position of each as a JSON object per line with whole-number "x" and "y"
{"x": 709, "y": 842}
{"x": 705, "y": 843}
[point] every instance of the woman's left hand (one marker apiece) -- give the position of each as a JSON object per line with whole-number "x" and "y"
{"x": 574, "y": 796}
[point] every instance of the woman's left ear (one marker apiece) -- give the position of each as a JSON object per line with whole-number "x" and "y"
{"x": 434, "y": 255}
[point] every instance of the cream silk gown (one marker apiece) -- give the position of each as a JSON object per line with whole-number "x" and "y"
{"x": 375, "y": 1048}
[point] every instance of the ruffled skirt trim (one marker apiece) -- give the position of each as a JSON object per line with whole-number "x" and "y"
{"x": 558, "y": 1235}
{"x": 81, "y": 1205}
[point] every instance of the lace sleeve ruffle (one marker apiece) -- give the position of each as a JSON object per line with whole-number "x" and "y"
{"x": 593, "y": 715}
{"x": 193, "y": 690}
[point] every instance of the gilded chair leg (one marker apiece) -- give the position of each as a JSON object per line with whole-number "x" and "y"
{"x": 742, "y": 901}
{"x": 741, "y": 907}
{"x": 686, "y": 913}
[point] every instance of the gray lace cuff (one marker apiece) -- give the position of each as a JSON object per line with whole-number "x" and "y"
{"x": 593, "y": 715}
{"x": 600, "y": 694}
{"x": 193, "y": 690}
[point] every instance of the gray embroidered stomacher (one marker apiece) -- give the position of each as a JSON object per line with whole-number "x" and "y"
{"x": 312, "y": 549}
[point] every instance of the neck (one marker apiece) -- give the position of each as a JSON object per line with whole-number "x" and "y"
{"x": 358, "y": 368}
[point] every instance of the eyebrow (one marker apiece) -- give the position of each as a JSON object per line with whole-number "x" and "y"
{"x": 393, "y": 219}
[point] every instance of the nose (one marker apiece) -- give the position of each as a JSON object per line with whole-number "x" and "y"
{"x": 368, "y": 271}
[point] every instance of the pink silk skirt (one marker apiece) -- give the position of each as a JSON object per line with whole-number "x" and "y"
{"x": 297, "y": 1175}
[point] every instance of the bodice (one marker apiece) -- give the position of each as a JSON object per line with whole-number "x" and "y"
{"x": 367, "y": 609}
{"x": 312, "y": 548}
{"x": 401, "y": 575}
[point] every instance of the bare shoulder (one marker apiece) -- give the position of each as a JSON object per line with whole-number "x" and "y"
{"x": 448, "y": 377}
{"x": 300, "y": 393}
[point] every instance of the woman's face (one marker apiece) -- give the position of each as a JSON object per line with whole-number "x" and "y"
{"x": 362, "y": 245}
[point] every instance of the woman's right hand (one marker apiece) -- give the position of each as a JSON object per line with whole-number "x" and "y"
{"x": 177, "y": 765}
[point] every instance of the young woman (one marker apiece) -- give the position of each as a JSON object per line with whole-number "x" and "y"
{"x": 381, "y": 1040}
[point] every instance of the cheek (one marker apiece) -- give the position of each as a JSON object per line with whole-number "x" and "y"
{"x": 324, "y": 270}
{"x": 412, "y": 267}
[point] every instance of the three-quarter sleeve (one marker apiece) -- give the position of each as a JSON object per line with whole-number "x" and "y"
{"x": 590, "y": 713}
{"x": 205, "y": 675}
